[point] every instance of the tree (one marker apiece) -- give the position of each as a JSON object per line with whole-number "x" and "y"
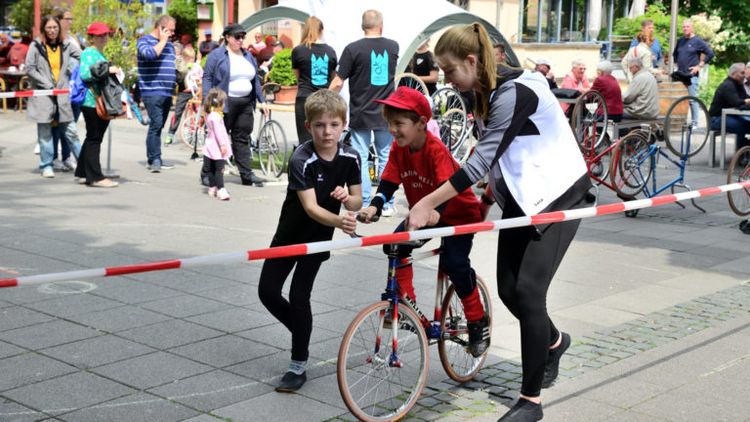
{"x": 186, "y": 15}
{"x": 22, "y": 14}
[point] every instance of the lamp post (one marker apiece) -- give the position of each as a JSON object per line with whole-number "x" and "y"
{"x": 37, "y": 18}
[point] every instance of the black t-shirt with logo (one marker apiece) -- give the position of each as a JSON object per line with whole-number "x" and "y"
{"x": 316, "y": 65}
{"x": 308, "y": 171}
{"x": 421, "y": 65}
{"x": 370, "y": 66}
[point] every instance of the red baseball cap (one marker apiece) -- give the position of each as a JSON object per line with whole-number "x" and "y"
{"x": 98, "y": 28}
{"x": 406, "y": 98}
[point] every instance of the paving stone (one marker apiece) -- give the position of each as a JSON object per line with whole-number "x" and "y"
{"x": 119, "y": 319}
{"x": 234, "y": 319}
{"x": 171, "y": 333}
{"x": 7, "y": 350}
{"x": 224, "y": 351}
{"x": 47, "y": 334}
{"x": 279, "y": 407}
{"x": 134, "y": 292}
{"x": 16, "y": 316}
{"x": 56, "y": 396}
{"x": 14, "y": 412}
{"x": 151, "y": 370}
{"x": 97, "y": 351}
{"x": 29, "y": 367}
{"x": 184, "y": 306}
{"x": 139, "y": 407}
{"x": 73, "y": 304}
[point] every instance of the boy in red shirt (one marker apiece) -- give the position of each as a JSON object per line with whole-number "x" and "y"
{"x": 421, "y": 163}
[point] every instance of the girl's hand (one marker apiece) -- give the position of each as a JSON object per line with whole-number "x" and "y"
{"x": 347, "y": 223}
{"x": 366, "y": 214}
{"x": 340, "y": 194}
{"x": 434, "y": 218}
{"x": 114, "y": 69}
{"x": 418, "y": 216}
{"x": 223, "y": 149}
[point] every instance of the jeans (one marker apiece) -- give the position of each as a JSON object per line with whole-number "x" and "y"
{"x": 693, "y": 90}
{"x": 738, "y": 125}
{"x": 68, "y": 133}
{"x": 158, "y": 110}
{"x": 361, "y": 139}
{"x": 46, "y": 144}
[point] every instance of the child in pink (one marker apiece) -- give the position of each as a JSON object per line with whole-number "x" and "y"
{"x": 217, "y": 148}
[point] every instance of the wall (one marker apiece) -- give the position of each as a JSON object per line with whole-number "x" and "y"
{"x": 560, "y": 55}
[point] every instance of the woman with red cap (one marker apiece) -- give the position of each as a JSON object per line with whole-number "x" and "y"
{"x": 89, "y": 169}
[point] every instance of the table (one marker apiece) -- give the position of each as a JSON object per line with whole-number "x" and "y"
{"x": 9, "y": 80}
{"x": 724, "y": 113}
{"x": 567, "y": 100}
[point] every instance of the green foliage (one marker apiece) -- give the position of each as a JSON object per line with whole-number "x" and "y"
{"x": 662, "y": 21}
{"x": 716, "y": 74}
{"x": 126, "y": 18}
{"x": 281, "y": 71}
{"x": 22, "y": 14}
{"x": 186, "y": 15}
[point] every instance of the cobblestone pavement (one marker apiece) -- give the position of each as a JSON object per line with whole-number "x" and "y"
{"x": 666, "y": 291}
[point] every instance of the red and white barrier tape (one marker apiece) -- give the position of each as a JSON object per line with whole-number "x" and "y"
{"x": 34, "y": 93}
{"x": 331, "y": 245}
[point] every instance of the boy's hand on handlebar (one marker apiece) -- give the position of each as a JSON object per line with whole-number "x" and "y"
{"x": 434, "y": 218}
{"x": 347, "y": 223}
{"x": 418, "y": 217}
{"x": 366, "y": 215}
{"x": 340, "y": 194}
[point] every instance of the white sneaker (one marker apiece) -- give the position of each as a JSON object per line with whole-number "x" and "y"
{"x": 388, "y": 211}
{"x": 36, "y": 149}
{"x": 70, "y": 163}
{"x": 212, "y": 192}
{"x": 223, "y": 194}
{"x": 48, "y": 172}
{"x": 58, "y": 165}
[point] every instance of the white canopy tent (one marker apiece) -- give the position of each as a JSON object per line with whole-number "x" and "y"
{"x": 408, "y": 22}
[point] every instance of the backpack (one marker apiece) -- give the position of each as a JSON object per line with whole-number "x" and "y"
{"x": 77, "y": 87}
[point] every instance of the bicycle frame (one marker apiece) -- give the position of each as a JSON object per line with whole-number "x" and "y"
{"x": 591, "y": 157}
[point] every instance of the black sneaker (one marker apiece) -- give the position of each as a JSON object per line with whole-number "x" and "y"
{"x": 291, "y": 382}
{"x": 479, "y": 336}
{"x": 553, "y": 361}
{"x": 254, "y": 180}
{"x": 523, "y": 411}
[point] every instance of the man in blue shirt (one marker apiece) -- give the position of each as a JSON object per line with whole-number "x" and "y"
{"x": 156, "y": 81}
{"x": 690, "y": 56}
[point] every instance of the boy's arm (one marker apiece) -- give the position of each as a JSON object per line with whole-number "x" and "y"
{"x": 345, "y": 222}
{"x": 354, "y": 201}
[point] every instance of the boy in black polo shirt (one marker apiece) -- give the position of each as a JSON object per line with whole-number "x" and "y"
{"x": 318, "y": 171}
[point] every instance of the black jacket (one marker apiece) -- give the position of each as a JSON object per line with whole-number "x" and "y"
{"x": 109, "y": 87}
{"x": 729, "y": 94}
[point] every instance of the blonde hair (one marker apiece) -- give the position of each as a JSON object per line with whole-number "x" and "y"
{"x": 188, "y": 53}
{"x": 322, "y": 102}
{"x": 459, "y": 42}
{"x": 214, "y": 100}
{"x": 311, "y": 31}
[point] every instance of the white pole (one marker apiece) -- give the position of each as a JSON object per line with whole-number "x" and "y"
{"x": 672, "y": 35}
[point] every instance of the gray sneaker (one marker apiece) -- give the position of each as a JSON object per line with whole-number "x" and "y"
{"x": 154, "y": 167}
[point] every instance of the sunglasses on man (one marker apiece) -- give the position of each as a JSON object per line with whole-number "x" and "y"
{"x": 238, "y": 36}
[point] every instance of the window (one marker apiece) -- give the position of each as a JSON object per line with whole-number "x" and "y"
{"x": 563, "y": 20}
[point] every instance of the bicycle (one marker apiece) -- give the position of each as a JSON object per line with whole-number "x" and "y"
{"x": 270, "y": 145}
{"x": 455, "y": 121}
{"x": 739, "y": 171}
{"x": 412, "y": 81}
{"x": 636, "y": 156}
{"x": 383, "y": 364}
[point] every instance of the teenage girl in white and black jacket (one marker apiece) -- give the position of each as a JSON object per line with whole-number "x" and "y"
{"x": 535, "y": 166}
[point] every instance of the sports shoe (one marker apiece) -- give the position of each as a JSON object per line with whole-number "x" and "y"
{"x": 212, "y": 192}
{"x": 291, "y": 382}
{"x": 523, "y": 411}
{"x": 154, "y": 167}
{"x": 169, "y": 139}
{"x": 388, "y": 211}
{"x": 552, "y": 367}
{"x": 48, "y": 172}
{"x": 223, "y": 195}
{"x": 254, "y": 180}
{"x": 479, "y": 336}
{"x": 105, "y": 183}
{"x": 36, "y": 149}
{"x": 70, "y": 164}
{"x": 166, "y": 166}
{"x": 58, "y": 165}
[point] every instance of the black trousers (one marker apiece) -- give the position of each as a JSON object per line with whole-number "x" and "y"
{"x": 526, "y": 262}
{"x": 88, "y": 160}
{"x": 299, "y": 117}
{"x": 214, "y": 170}
{"x": 295, "y": 313}
{"x": 239, "y": 122}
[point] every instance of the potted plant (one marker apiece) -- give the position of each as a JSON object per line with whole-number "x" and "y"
{"x": 282, "y": 74}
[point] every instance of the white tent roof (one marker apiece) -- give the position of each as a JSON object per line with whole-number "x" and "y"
{"x": 408, "y": 22}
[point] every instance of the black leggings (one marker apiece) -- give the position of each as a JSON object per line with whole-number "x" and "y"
{"x": 295, "y": 313}
{"x": 299, "y": 117}
{"x": 239, "y": 123}
{"x": 214, "y": 169}
{"x": 89, "y": 166}
{"x": 526, "y": 263}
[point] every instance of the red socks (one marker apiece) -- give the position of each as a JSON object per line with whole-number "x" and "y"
{"x": 405, "y": 279}
{"x": 473, "y": 308}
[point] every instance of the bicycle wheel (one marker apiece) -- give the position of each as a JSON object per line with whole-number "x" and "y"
{"x": 599, "y": 169}
{"x": 453, "y": 126}
{"x": 272, "y": 149}
{"x": 445, "y": 99}
{"x": 372, "y": 388}
{"x": 458, "y": 363}
{"x": 589, "y": 120}
{"x": 739, "y": 200}
{"x": 412, "y": 81}
{"x": 631, "y": 164}
{"x": 686, "y": 135}
{"x": 192, "y": 127}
